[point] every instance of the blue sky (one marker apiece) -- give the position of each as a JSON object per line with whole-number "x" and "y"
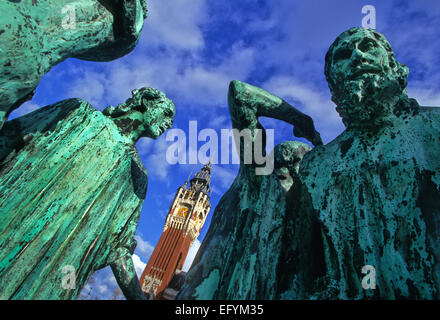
{"x": 192, "y": 49}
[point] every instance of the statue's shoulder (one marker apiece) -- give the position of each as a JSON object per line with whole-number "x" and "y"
{"x": 52, "y": 114}
{"x": 341, "y": 142}
{"x": 430, "y": 113}
{"x": 67, "y": 106}
{"x": 336, "y": 155}
{"x": 61, "y": 115}
{"x": 425, "y": 122}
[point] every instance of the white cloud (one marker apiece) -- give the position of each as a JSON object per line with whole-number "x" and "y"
{"x": 191, "y": 255}
{"x": 156, "y": 162}
{"x": 175, "y": 23}
{"x": 90, "y": 87}
{"x": 144, "y": 145}
{"x": 25, "y": 108}
{"x": 219, "y": 121}
{"x": 101, "y": 286}
{"x": 188, "y": 79}
{"x": 425, "y": 97}
{"x": 144, "y": 248}
{"x": 208, "y": 85}
{"x": 139, "y": 265}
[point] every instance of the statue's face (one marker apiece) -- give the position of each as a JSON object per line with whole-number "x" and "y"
{"x": 361, "y": 71}
{"x": 159, "y": 117}
{"x": 288, "y": 156}
{"x": 148, "y": 113}
{"x": 358, "y": 57}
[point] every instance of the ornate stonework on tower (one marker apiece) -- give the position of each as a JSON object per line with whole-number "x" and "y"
{"x": 183, "y": 223}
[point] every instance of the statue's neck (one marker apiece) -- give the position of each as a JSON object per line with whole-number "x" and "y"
{"x": 130, "y": 127}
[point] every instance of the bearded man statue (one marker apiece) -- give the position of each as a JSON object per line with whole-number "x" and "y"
{"x": 372, "y": 194}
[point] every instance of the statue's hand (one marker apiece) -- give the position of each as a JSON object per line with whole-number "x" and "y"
{"x": 125, "y": 274}
{"x": 306, "y": 129}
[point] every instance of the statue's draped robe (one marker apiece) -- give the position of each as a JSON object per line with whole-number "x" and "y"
{"x": 71, "y": 191}
{"x": 376, "y": 201}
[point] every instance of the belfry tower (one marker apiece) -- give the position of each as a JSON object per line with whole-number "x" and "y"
{"x": 185, "y": 218}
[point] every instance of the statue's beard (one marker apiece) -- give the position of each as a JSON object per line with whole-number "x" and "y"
{"x": 368, "y": 100}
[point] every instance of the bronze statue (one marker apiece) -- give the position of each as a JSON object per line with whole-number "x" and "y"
{"x": 373, "y": 191}
{"x": 71, "y": 190}
{"x": 361, "y": 217}
{"x": 241, "y": 252}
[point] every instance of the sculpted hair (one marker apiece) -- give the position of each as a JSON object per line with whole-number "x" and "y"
{"x": 139, "y": 101}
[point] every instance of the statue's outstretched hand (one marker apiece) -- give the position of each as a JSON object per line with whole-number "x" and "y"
{"x": 125, "y": 274}
{"x": 247, "y": 103}
{"x": 306, "y": 129}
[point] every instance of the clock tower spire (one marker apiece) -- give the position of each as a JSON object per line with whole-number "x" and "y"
{"x": 185, "y": 218}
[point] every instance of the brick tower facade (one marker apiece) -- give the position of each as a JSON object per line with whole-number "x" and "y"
{"x": 185, "y": 218}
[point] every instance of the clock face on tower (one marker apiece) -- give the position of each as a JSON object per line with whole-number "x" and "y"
{"x": 182, "y": 212}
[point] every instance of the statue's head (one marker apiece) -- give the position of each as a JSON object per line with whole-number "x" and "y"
{"x": 148, "y": 113}
{"x": 364, "y": 77}
{"x": 288, "y": 157}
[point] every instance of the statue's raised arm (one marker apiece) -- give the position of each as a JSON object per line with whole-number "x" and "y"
{"x": 247, "y": 103}
{"x": 251, "y": 223}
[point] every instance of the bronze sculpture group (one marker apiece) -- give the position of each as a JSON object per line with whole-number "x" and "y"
{"x": 72, "y": 185}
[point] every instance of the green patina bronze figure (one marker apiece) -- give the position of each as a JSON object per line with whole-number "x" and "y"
{"x": 36, "y": 35}
{"x": 240, "y": 255}
{"x": 374, "y": 191}
{"x": 71, "y": 190}
{"x": 361, "y": 218}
